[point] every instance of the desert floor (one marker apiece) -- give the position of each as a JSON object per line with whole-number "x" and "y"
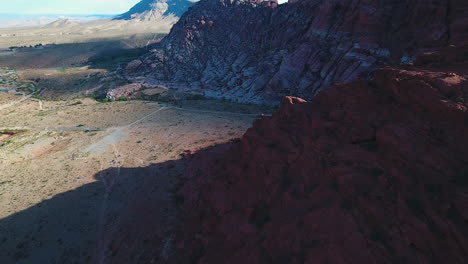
{"x": 70, "y": 166}
{"x": 68, "y": 31}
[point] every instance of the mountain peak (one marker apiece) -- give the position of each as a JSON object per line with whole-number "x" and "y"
{"x": 150, "y": 9}
{"x": 62, "y": 22}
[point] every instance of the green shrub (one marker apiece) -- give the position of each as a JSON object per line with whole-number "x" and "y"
{"x": 416, "y": 206}
{"x": 376, "y": 171}
{"x": 196, "y": 97}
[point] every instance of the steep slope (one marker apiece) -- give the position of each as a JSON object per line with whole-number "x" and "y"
{"x": 258, "y": 52}
{"x": 368, "y": 172}
{"x": 156, "y": 9}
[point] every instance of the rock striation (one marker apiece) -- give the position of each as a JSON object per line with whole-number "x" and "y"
{"x": 367, "y": 172}
{"x": 253, "y": 51}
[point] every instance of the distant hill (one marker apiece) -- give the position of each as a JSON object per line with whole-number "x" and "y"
{"x": 155, "y": 9}
{"x": 64, "y": 22}
{"x": 39, "y": 20}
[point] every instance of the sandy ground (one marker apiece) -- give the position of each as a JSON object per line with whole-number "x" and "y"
{"x": 69, "y": 31}
{"x": 73, "y": 171}
{"x": 67, "y": 71}
{"x": 57, "y": 173}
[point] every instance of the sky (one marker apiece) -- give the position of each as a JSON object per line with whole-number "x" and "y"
{"x": 78, "y": 7}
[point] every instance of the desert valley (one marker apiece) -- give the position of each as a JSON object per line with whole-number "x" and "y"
{"x": 237, "y": 132}
{"x": 67, "y": 150}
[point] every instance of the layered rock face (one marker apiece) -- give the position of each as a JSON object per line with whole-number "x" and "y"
{"x": 156, "y": 9}
{"x": 251, "y": 51}
{"x": 367, "y": 172}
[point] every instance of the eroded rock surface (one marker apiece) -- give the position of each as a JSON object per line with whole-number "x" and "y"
{"x": 367, "y": 172}
{"x": 258, "y": 52}
{"x": 148, "y": 10}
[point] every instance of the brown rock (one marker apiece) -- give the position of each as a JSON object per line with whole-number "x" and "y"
{"x": 123, "y": 91}
{"x": 367, "y": 172}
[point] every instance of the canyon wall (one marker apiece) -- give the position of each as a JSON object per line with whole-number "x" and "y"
{"x": 258, "y": 52}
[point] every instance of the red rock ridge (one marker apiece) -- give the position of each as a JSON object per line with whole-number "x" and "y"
{"x": 367, "y": 172}
{"x": 246, "y": 51}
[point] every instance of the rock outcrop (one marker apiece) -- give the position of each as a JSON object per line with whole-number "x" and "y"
{"x": 156, "y": 9}
{"x": 368, "y": 172}
{"x": 254, "y": 52}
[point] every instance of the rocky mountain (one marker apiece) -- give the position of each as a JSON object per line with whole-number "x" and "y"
{"x": 156, "y": 9}
{"x": 374, "y": 169}
{"x": 367, "y": 172}
{"x": 254, "y": 51}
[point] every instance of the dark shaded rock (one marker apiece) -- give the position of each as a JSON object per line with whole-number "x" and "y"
{"x": 367, "y": 172}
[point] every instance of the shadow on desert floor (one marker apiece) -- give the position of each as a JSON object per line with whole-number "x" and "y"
{"x": 102, "y": 54}
{"x": 94, "y": 222}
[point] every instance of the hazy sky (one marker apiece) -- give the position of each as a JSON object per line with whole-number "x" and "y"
{"x": 66, "y": 6}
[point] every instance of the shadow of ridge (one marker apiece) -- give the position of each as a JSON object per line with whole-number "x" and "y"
{"x": 75, "y": 226}
{"x": 129, "y": 215}
{"x": 99, "y": 53}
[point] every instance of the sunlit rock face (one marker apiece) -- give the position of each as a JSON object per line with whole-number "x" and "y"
{"x": 156, "y": 9}
{"x": 253, "y": 51}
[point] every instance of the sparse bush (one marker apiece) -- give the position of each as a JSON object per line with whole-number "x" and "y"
{"x": 416, "y": 206}
{"x": 286, "y": 179}
{"x": 272, "y": 145}
{"x": 346, "y": 204}
{"x": 379, "y": 237}
{"x": 76, "y": 103}
{"x": 334, "y": 184}
{"x": 376, "y": 171}
{"x": 196, "y": 97}
{"x": 101, "y": 98}
{"x": 260, "y": 216}
{"x": 6, "y": 142}
{"x": 461, "y": 178}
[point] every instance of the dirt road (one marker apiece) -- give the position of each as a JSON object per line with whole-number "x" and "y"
{"x": 74, "y": 172}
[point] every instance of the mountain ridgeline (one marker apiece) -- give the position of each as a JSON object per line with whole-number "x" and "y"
{"x": 156, "y": 8}
{"x": 253, "y": 51}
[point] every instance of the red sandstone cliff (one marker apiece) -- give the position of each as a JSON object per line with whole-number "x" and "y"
{"x": 367, "y": 172}
{"x": 253, "y": 52}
